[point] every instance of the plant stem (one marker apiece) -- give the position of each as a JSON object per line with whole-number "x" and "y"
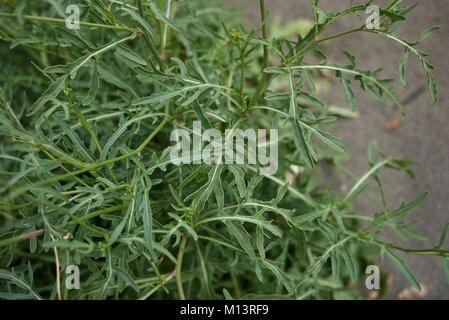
{"x": 179, "y": 266}
{"x": 317, "y": 41}
{"x": 315, "y": 18}
{"x": 235, "y": 281}
{"x": 242, "y": 71}
{"x": 264, "y": 33}
{"x": 431, "y": 251}
{"x": 47, "y": 19}
{"x": 263, "y": 80}
{"x": 165, "y": 30}
{"x": 147, "y": 38}
{"x": 164, "y": 281}
{"x": 58, "y": 273}
{"x": 203, "y": 268}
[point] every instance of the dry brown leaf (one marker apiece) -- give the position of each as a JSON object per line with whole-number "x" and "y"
{"x": 412, "y": 293}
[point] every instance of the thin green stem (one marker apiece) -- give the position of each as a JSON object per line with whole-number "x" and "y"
{"x": 315, "y": 18}
{"x": 431, "y": 251}
{"x": 264, "y": 33}
{"x": 203, "y": 268}
{"x": 164, "y": 281}
{"x": 165, "y": 30}
{"x": 242, "y": 71}
{"x": 264, "y": 78}
{"x": 318, "y": 41}
{"x": 161, "y": 29}
{"x": 47, "y": 19}
{"x": 179, "y": 267}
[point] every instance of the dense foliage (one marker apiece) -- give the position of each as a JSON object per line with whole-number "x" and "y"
{"x": 86, "y": 179}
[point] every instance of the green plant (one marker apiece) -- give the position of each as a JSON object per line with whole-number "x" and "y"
{"x": 86, "y": 177}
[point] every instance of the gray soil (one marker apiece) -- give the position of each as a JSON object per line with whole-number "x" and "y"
{"x": 422, "y": 135}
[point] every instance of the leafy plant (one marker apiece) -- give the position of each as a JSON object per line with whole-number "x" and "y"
{"x": 87, "y": 180}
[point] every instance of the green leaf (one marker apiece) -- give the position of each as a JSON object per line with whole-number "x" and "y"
{"x": 366, "y": 176}
{"x": 119, "y": 229}
{"x": 148, "y": 223}
{"x": 240, "y": 234}
{"x": 162, "y": 97}
{"x": 130, "y": 55}
{"x": 333, "y": 142}
{"x": 443, "y": 235}
{"x": 250, "y": 219}
{"x": 227, "y": 295}
{"x": 52, "y": 92}
{"x": 444, "y": 262}
{"x": 75, "y": 38}
{"x": 335, "y": 265}
{"x": 393, "y": 16}
{"x": 355, "y": 72}
{"x": 402, "y": 267}
{"x": 404, "y": 208}
{"x": 127, "y": 278}
{"x": 349, "y": 262}
{"x": 109, "y": 275}
{"x": 239, "y": 176}
{"x": 13, "y": 278}
{"x": 161, "y": 16}
{"x": 73, "y": 67}
{"x": 351, "y": 57}
{"x": 426, "y": 33}
{"x": 349, "y": 94}
{"x": 308, "y": 97}
{"x": 94, "y": 85}
{"x": 311, "y": 216}
{"x": 260, "y": 242}
{"x": 321, "y": 15}
{"x": 432, "y": 86}
{"x": 402, "y": 64}
{"x": 202, "y": 195}
{"x": 298, "y": 133}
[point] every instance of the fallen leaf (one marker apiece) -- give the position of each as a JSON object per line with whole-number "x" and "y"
{"x": 393, "y": 124}
{"x": 412, "y": 293}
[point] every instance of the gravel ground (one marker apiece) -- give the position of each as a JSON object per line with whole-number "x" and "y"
{"x": 422, "y": 135}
